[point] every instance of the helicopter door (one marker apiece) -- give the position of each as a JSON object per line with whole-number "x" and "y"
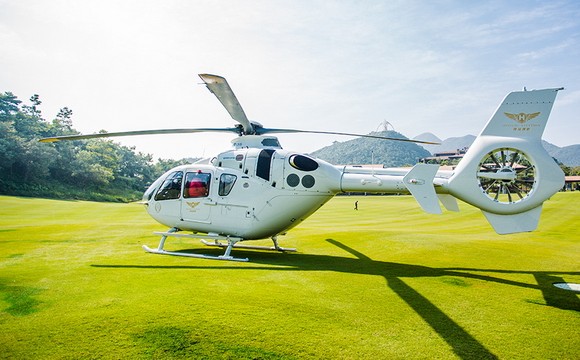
{"x": 168, "y": 198}
{"x": 196, "y": 205}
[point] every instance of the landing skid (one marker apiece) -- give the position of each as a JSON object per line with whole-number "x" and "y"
{"x": 199, "y": 256}
{"x": 173, "y": 232}
{"x": 211, "y": 240}
{"x": 252, "y": 247}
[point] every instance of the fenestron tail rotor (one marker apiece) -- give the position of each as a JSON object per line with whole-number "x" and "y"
{"x": 506, "y": 175}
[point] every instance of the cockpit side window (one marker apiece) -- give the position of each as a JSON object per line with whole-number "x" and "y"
{"x": 264, "y": 163}
{"x": 171, "y": 187}
{"x": 196, "y": 184}
{"x": 227, "y": 182}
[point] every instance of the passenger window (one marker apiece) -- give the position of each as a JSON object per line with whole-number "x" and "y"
{"x": 196, "y": 184}
{"x": 171, "y": 187}
{"x": 227, "y": 182}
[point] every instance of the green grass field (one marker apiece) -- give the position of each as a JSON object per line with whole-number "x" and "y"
{"x": 387, "y": 281}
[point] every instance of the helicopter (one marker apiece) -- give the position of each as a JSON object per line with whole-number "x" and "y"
{"x": 258, "y": 190}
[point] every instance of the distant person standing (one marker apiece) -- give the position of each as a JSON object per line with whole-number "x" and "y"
{"x": 356, "y": 205}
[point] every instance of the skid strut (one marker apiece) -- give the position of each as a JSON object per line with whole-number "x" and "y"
{"x": 276, "y": 247}
{"x": 231, "y": 241}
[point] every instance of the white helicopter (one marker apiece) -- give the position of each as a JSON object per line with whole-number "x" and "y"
{"x": 258, "y": 190}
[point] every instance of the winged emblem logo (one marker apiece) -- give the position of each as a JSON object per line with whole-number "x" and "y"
{"x": 192, "y": 205}
{"x": 522, "y": 118}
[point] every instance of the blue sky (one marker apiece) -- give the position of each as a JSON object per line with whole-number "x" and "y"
{"x": 424, "y": 66}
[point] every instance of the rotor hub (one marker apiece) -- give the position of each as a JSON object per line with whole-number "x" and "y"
{"x": 256, "y": 141}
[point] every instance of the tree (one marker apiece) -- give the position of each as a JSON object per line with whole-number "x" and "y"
{"x": 33, "y": 161}
{"x": 96, "y": 164}
{"x": 8, "y": 147}
{"x": 9, "y": 105}
{"x": 135, "y": 170}
{"x": 29, "y": 123}
{"x": 63, "y": 121}
{"x": 33, "y": 109}
{"x": 109, "y": 170}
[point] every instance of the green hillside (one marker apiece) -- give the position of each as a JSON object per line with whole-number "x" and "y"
{"x": 373, "y": 151}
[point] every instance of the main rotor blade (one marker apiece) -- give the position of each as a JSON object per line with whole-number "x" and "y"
{"x": 222, "y": 90}
{"x": 268, "y": 130}
{"x": 139, "y": 132}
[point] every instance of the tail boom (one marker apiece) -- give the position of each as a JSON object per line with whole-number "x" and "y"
{"x": 506, "y": 172}
{"x": 417, "y": 181}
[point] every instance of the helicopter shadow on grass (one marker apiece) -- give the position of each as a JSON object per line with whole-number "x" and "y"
{"x": 463, "y": 344}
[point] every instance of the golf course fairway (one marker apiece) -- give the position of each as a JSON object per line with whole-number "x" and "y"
{"x": 384, "y": 282}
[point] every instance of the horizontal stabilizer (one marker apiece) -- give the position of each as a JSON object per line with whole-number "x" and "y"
{"x": 419, "y": 182}
{"x": 509, "y": 224}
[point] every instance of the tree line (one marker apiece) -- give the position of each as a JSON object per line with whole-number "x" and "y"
{"x": 95, "y": 169}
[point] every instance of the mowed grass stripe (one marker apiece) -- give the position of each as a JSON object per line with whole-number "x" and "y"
{"x": 386, "y": 281}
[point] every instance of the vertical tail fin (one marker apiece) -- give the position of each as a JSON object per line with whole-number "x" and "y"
{"x": 522, "y": 114}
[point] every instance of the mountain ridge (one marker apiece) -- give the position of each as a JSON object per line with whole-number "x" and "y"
{"x": 567, "y": 155}
{"x": 373, "y": 151}
{"x": 362, "y": 151}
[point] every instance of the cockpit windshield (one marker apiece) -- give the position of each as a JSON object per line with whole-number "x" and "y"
{"x": 171, "y": 187}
